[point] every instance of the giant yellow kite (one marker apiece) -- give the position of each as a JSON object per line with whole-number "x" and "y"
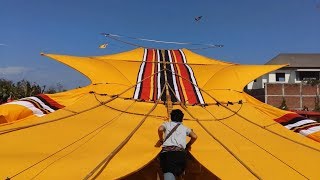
{"x": 108, "y": 129}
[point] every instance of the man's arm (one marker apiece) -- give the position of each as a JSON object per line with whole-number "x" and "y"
{"x": 193, "y": 137}
{"x": 161, "y": 129}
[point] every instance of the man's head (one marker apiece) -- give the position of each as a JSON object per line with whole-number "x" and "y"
{"x": 176, "y": 115}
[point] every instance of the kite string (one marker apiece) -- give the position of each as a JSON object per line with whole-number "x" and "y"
{"x": 257, "y": 145}
{"x": 157, "y": 41}
{"x": 53, "y": 120}
{"x": 142, "y": 61}
{"x": 108, "y": 83}
{"x": 223, "y": 145}
{"x": 246, "y": 166}
{"x": 125, "y": 42}
{"x": 133, "y": 113}
{"x": 106, "y": 161}
{"x": 67, "y": 116}
{"x": 117, "y": 38}
{"x": 195, "y": 85}
{"x": 265, "y": 126}
{"x": 101, "y": 103}
{"x": 162, "y": 102}
{"x": 118, "y": 95}
{"x": 262, "y": 126}
{"x": 50, "y": 121}
{"x": 226, "y": 107}
{"x": 216, "y": 119}
{"x": 159, "y": 117}
{"x": 100, "y": 128}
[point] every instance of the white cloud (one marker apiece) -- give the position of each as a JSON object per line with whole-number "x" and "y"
{"x": 14, "y": 70}
{"x": 3, "y": 44}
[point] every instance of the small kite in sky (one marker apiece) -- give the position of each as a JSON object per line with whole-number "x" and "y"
{"x": 102, "y": 46}
{"x": 197, "y": 18}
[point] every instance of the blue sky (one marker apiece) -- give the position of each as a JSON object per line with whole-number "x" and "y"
{"x": 252, "y": 31}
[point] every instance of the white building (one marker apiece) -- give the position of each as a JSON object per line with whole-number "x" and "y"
{"x": 301, "y": 67}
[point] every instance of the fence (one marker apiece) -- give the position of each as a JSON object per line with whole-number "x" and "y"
{"x": 297, "y": 96}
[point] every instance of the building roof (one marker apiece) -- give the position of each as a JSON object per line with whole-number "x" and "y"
{"x": 296, "y": 60}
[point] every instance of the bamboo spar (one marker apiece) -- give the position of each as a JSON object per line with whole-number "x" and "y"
{"x": 168, "y": 101}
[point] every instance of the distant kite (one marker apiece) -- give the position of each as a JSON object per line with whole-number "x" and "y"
{"x": 102, "y": 46}
{"x": 197, "y": 18}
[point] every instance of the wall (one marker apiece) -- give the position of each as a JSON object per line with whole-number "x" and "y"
{"x": 258, "y": 84}
{"x": 290, "y": 77}
{"x": 296, "y": 95}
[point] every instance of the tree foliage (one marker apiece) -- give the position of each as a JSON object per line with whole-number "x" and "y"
{"x": 283, "y": 105}
{"x": 24, "y": 88}
{"x": 317, "y": 104}
{"x": 312, "y": 82}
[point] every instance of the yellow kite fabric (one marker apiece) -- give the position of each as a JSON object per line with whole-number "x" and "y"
{"x": 108, "y": 129}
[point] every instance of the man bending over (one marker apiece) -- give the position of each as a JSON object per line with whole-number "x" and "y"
{"x": 174, "y": 146}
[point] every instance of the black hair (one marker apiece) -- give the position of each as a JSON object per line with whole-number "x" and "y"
{"x": 176, "y": 115}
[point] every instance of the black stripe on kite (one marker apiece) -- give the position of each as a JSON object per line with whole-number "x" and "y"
{"x": 304, "y": 126}
{"x": 169, "y": 77}
{"x": 294, "y": 120}
{"x": 46, "y": 102}
{"x": 162, "y": 77}
{"x": 36, "y": 105}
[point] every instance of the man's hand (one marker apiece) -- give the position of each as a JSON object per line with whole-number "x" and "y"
{"x": 159, "y": 143}
{"x": 193, "y": 137}
{"x": 161, "y": 129}
{"x": 188, "y": 147}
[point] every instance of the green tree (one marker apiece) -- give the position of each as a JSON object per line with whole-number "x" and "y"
{"x": 317, "y": 104}
{"x": 24, "y": 88}
{"x": 7, "y": 89}
{"x": 283, "y": 105}
{"x": 55, "y": 89}
{"x": 312, "y": 82}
